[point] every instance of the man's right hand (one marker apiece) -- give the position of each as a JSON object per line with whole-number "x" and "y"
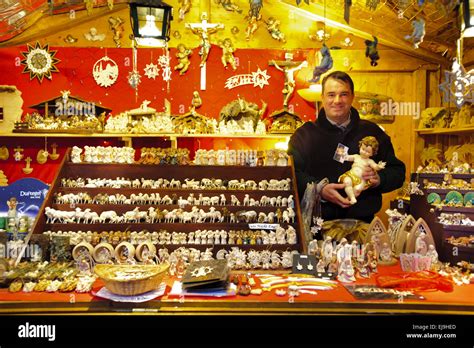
{"x": 330, "y": 193}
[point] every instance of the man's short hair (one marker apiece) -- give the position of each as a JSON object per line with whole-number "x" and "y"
{"x": 339, "y": 75}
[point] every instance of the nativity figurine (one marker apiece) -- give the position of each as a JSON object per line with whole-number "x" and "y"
{"x": 273, "y": 27}
{"x": 228, "y": 50}
{"x": 183, "y": 59}
{"x": 353, "y": 180}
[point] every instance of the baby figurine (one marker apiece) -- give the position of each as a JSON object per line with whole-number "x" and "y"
{"x": 353, "y": 180}
{"x": 228, "y": 54}
{"x": 183, "y": 59}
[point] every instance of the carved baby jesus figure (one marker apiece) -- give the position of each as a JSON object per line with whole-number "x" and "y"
{"x": 353, "y": 179}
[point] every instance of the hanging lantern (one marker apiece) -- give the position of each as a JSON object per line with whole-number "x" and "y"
{"x": 151, "y": 22}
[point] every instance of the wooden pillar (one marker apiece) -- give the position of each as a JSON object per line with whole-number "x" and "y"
{"x": 420, "y": 92}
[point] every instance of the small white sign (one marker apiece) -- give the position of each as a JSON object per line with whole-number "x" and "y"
{"x": 264, "y": 226}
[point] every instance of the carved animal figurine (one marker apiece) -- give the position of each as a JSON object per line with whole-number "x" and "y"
{"x": 371, "y": 51}
{"x": 241, "y": 110}
{"x": 418, "y": 32}
{"x": 324, "y": 66}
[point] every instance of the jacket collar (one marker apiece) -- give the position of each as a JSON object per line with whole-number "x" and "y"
{"x": 323, "y": 122}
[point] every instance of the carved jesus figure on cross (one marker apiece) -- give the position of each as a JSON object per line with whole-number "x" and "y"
{"x": 204, "y": 30}
{"x": 288, "y": 67}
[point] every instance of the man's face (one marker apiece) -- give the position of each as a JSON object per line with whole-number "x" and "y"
{"x": 337, "y": 99}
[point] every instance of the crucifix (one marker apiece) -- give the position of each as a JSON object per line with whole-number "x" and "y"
{"x": 288, "y": 67}
{"x": 204, "y": 30}
{"x": 54, "y": 155}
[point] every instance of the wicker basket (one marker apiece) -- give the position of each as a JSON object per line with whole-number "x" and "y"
{"x": 131, "y": 279}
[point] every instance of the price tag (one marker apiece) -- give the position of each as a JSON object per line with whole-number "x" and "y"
{"x": 264, "y": 226}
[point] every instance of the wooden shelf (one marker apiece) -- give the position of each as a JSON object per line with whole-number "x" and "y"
{"x": 141, "y": 135}
{"x": 454, "y": 131}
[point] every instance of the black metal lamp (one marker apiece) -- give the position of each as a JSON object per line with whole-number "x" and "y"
{"x": 467, "y": 25}
{"x": 151, "y": 21}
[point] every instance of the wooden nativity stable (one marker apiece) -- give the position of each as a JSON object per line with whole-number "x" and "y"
{"x": 400, "y": 55}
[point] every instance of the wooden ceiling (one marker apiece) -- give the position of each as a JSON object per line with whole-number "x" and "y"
{"x": 53, "y": 21}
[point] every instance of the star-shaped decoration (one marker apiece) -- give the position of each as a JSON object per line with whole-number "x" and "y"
{"x": 260, "y": 78}
{"x": 65, "y": 95}
{"x": 163, "y": 60}
{"x": 39, "y": 61}
{"x": 458, "y": 86}
{"x": 201, "y": 271}
{"x": 151, "y": 71}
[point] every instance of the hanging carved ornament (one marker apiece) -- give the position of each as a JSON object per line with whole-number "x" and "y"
{"x": 164, "y": 63}
{"x": 39, "y": 61}
{"x": 458, "y": 86}
{"x": 105, "y": 72}
{"x": 151, "y": 71}
{"x": 134, "y": 79}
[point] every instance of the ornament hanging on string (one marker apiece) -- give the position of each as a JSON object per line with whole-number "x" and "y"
{"x": 39, "y": 62}
{"x": 418, "y": 33}
{"x": 18, "y": 153}
{"x": 105, "y": 71}
{"x": 42, "y": 156}
{"x": 458, "y": 86}
{"x": 134, "y": 77}
{"x": 151, "y": 70}
{"x": 164, "y": 63}
{"x": 4, "y": 153}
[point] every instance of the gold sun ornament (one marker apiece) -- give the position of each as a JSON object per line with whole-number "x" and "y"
{"x": 39, "y": 61}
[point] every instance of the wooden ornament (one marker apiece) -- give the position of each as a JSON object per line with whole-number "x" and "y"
{"x": 54, "y": 155}
{"x": 4, "y": 153}
{"x": 3, "y": 179}
{"x": 27, "y": 169}
{"x": 42, "y": 156}
{"x": 18, "y": 155}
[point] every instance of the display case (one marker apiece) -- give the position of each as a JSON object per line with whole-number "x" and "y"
{"x": 420, "y": 207}
{"x": 239, "y": 185}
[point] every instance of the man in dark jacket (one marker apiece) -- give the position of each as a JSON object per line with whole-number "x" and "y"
{"x": 315, "y": 147}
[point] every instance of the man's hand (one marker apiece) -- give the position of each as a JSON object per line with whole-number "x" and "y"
{"x": 371, "y": 176}
{"x": 329, "y": 193}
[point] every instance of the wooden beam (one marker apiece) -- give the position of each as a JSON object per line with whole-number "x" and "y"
{"x": 365, "y": 31}
{"x": 49, "y": 25}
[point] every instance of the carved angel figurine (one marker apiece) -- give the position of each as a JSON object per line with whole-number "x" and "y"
{"x": 251, "y": 28}
{"x": 184, "y": 7}
{"x": 183, "y": 58}
{"x": 353, "y": 180}
{"x": 418, "y": 32}
{"x": 228, "y": 54}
